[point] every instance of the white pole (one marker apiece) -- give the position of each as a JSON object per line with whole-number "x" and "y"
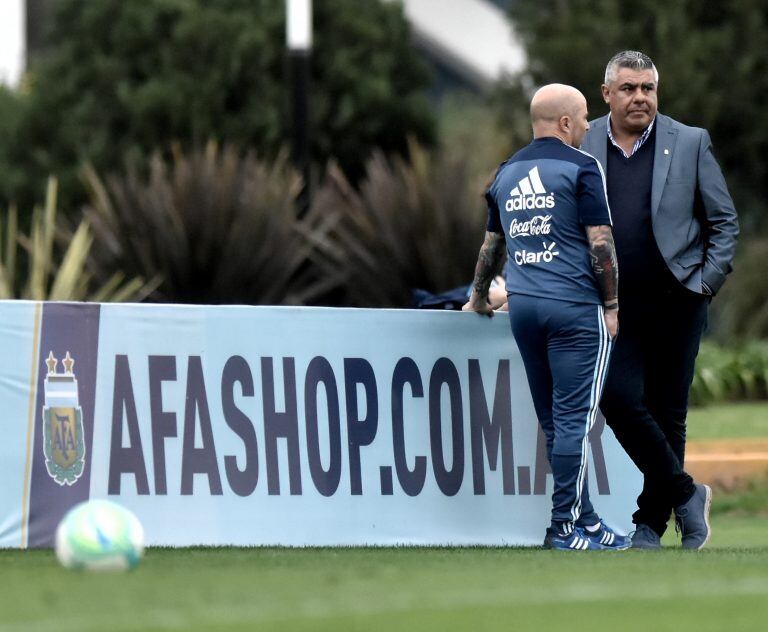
{"x": 299, "y": 24}
{"x": 12, "y": 40}
{"x": 299, "y": 42}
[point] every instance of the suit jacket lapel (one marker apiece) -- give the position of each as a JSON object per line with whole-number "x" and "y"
{"x": 666, "y": 136}
{"x": 600, "y": 146}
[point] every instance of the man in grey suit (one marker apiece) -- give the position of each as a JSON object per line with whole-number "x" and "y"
{"x": 675, "y": 229}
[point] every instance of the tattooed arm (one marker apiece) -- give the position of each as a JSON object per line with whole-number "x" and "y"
{"x": 489, "y": 263}
{"x": 602, "y": 253}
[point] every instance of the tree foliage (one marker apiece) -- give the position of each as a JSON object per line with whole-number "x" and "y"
{"x": 212, "y": 226}
{"x": 121, "y": 78}
{"x": 11, "y": 175}
{"x": 416, "y": 224}
{"x": 711, "y": 57}
{"x": 50, "y": 262}
{"x": 741, "y": 307}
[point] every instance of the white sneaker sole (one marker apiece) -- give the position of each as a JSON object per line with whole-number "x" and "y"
{"x": 707, "y": 504}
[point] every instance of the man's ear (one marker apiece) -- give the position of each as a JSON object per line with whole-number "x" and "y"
{"x": 565, "y": 123}
{"x": 605, "y": 91}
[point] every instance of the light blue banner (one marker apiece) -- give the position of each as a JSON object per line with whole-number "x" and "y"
{"x": 19, "y": 333}
{"x": 290, "y": 426}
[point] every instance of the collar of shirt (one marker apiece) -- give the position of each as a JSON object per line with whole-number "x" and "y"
{"x": 638, "y": 143}
{"x": 548, "y": 139}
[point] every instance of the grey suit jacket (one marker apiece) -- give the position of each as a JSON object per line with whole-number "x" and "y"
{"x": 694, "y": 220}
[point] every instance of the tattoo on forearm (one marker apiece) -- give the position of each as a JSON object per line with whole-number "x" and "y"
{"x": 602, "y": 253}
{"x": 489, "y": 262}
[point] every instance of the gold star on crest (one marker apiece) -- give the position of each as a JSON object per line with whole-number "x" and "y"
{"x": 68, "y": 363}
{"x": 51, "y": 362}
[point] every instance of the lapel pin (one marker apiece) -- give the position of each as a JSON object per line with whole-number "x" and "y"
{"x": 666, "y": 152}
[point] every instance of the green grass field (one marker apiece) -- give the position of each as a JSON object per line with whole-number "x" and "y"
{"x": 724, "y": 587}
{"x": 728, "y": 421}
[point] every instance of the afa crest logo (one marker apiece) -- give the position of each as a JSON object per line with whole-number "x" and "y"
{"x": 63, "y": 435}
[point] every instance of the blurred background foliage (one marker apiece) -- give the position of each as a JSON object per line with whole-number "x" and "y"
{"x": 213, "y": 226}
{"x": 118, "y": 80}
{"x": 415, "y": 224}
{"x": 216, "y": 226}
{"x": 741, "y": 307}
{"x": 50, "y": 263}
{"x": 166, "y": 122}
{"x": 712, "y": 61}
{"x": 730, "y": 373}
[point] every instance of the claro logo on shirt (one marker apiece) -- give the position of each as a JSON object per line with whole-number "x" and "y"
{"x": 525, "y": 257}
{"x": 530, "y": 194}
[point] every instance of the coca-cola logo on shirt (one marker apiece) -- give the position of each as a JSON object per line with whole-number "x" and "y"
{"x": 537, "y": 225}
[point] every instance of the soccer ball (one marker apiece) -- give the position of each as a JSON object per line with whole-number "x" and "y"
{"x": 99, "y": 535}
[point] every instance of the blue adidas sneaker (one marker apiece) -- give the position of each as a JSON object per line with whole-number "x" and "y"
{"x": 576, "y": 540}
{"x": 608, "y": 538}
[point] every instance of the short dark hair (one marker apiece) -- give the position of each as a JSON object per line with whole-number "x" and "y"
{"x": 629, "y": 59}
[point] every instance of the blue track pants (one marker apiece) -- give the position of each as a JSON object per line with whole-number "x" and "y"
{"x": 565, "y": 348}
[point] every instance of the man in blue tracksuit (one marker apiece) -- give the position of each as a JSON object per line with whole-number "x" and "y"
{"x": 548, "y": 206}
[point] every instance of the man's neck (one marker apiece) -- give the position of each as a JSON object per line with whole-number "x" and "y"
{"x": 556, "y": 134}
{"x": 624, "y": 138}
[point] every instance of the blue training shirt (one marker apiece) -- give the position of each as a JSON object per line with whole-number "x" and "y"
{"x": 541, "y": 199}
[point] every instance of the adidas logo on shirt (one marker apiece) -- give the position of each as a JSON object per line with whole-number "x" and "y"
{"x": 530, "y": 194}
